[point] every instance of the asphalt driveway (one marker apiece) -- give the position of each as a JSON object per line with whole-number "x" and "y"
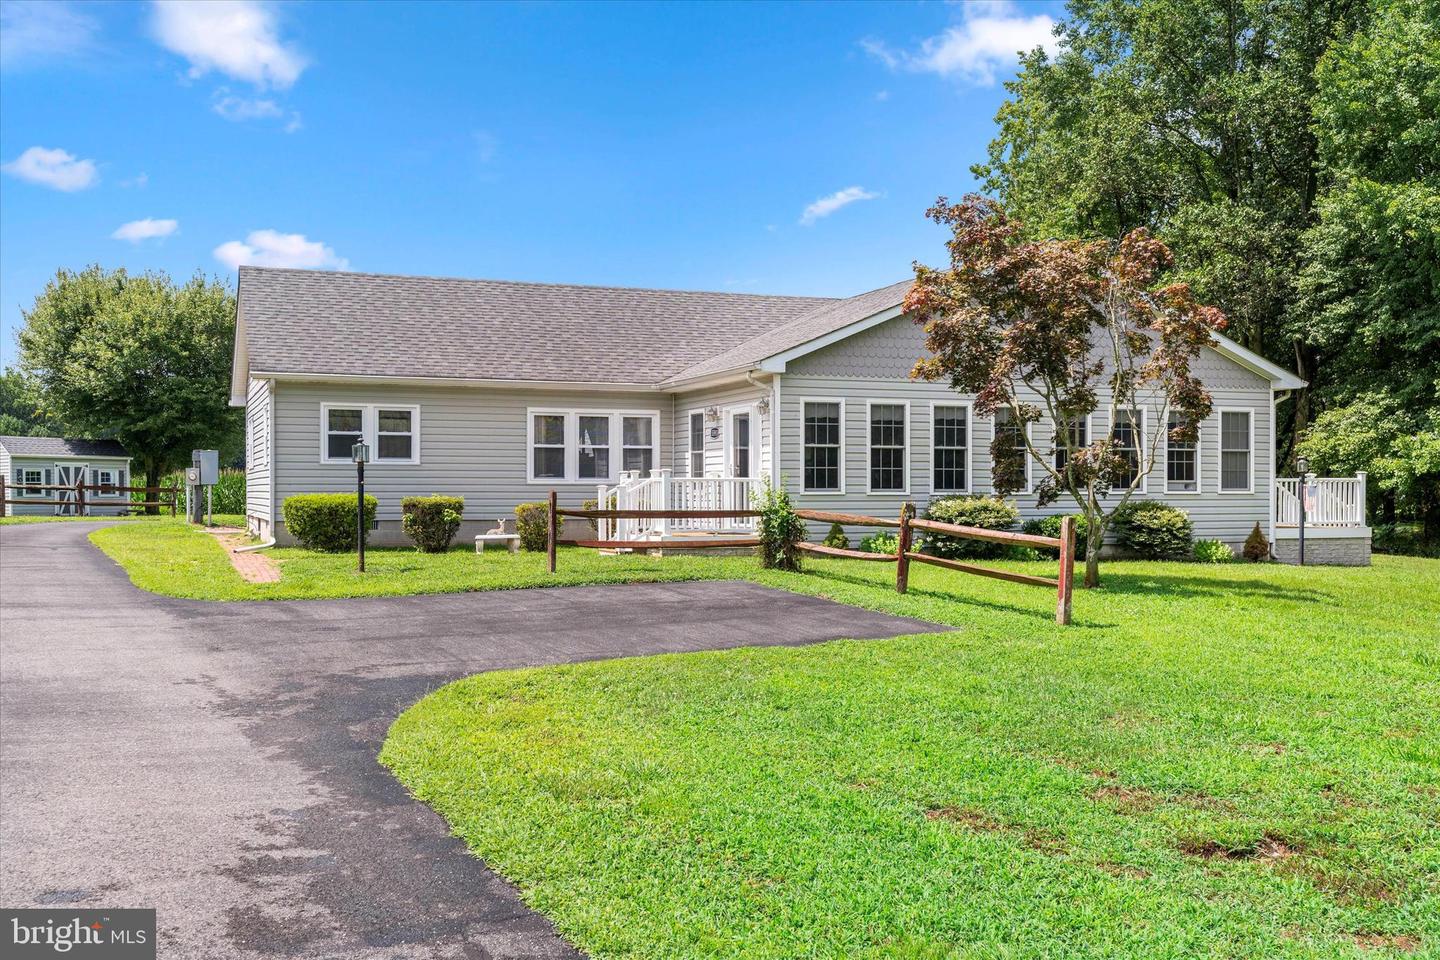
{"x": 217, "y": 761}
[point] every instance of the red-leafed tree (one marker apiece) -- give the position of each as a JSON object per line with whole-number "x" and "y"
{"x": 1052, "y": 330}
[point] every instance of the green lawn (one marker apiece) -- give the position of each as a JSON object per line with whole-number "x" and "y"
{"x": 221, "y": 519}
{"x": 1214, "y": 761}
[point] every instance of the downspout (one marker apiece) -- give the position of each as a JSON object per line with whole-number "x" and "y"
{"x": 774, "y": 423}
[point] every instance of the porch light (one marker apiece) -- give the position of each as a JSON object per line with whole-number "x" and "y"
{"x": 763, "y": 407}
{"x": 360, "y": 452}
{"x": 712, "y": 414}
{"x": 1303, "y": 465}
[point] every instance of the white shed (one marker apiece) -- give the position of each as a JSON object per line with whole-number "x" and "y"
{"x": 31, "y": 464}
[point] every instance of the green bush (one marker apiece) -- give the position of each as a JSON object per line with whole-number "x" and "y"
{"x": 886, "y": 543}
{"x": 1050, "y": 527}
{"x": 1213, "y": 551}
{"x": 1153, "y": 530}
{"x": 779, "y": 528}
{"x": 228, "y": 496}
{"x": 1257, "y": 548}
{"x": 325, "y": 521}
{"x": 836, "y": 537}
{"x": 991, "y": 513}
{"x": 532, "y": 522}
{"x": 431, "y": 521}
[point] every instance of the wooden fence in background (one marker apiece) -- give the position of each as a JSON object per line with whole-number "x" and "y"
{"x": 79, "y": 502}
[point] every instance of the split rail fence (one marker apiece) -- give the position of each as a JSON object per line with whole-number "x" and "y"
{"x": 80, "y": 504}
{"x": 906, "y": 524}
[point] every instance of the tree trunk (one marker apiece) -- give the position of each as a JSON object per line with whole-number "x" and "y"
{"x": 1094, "y": 540}
{"x": 152, "y": 479}
{"x": 1387, "y": 507}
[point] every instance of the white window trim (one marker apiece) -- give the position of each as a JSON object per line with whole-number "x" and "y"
{"x": 870, "y": 404}
{"x": 1220, "y": 451}
{"x": 1030, "y": 436}
{"x": 690, "y": 448}
{"x": 969, "y": 446}
{"x": 841, "y": 471}
{"x": 572, "y": 417}
{"x": 1199, "y": 467}
{"x": 1139, "y": 450}
{"x": 24, "y": 488}
{"x": 369, "y": 430}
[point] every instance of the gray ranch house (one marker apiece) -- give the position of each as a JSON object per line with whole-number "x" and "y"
{"x": 48, "y": 468}
{"x": 500, "y": 392}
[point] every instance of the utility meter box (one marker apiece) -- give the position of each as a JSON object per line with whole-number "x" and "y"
{"x": 208, "y": 462}
{"x": 192, "y": 477}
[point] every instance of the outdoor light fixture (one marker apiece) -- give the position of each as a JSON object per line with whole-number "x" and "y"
{"x": 360, "y": 452}
{"x": 763, "y": 406}
{"x": 1303, "y": 465}
{"x": 712, "y": 414}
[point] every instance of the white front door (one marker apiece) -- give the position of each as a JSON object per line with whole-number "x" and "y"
{"x": 742, "y": 443}
{"x": 67, "y": 475}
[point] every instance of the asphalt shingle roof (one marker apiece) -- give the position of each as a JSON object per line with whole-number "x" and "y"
{"x": 58, "y": 447}
{"x": 303, "y": 321}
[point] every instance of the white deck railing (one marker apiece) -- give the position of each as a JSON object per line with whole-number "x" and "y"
{"x": 1336, "y": 502}
{"x": 661, "y": 491}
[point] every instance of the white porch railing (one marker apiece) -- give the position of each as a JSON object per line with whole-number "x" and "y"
{"x": 661, "y": 491}
{"x": 1337, "y": 502}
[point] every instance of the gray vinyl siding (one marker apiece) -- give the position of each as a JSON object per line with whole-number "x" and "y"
{"x": 97, "y": 505}
{"x": 258, "y": 433}
{"x": 472, "y": 443}
{"x": 725, "y": 398}
{"x": 874, "y": 366}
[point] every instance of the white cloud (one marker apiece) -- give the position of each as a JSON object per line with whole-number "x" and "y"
{"x": 147, "y": 229}
{"x": 825, "y": 206}
{"x": 239, "y": 38}
{"x": 988, "y": 39}
{"x": 270, "y": 248}
{"x": 33, "y": 31}
{"x": 138, "y": 181}
{"x": 236, "y": 108}
{"x": 56, "y": 169}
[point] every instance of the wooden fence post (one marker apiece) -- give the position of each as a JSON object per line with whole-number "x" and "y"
{"x": 902, "y": 558}
{"x": 550, "y": 530}
{"x": 4, "y": 499}
{"x": 80, "y": 495}
{"x": 174, "y": 499}
{"x": 1067, "y": 570}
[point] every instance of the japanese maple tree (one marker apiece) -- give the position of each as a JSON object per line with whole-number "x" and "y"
{"x": 1053, "y": 330}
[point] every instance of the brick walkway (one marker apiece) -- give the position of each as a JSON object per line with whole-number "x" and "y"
{"x": 255, "y": 567}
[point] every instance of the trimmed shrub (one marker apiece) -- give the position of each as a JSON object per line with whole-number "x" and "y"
{"x": 1213, "y": 551}
{"x": 886, "y": 543}
{"x": 1153, "y": 530}
{"x": 1050, "y": 527}
{"x": 991, "y": 513}
{"x": 431, "y": 521}
{"x": 836, "y": 537}
{"x": 779, "y": 528}
{"x": 326, "y": 521}
{"x": 532, "y": 522}
{"x": 1257, "y": 548}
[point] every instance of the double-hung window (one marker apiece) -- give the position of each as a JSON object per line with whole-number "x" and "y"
{"x": 824, "y": 446}
{"x": 590, "y": 446}
{"x": 35, "y": 477}
{"x": 1007, "y": 428}
{"x": 637, "y": 435}
{"x": 1237, "y": 440}
{"x": 1127, "y": 434}
{"x": 697, "y": 444}
{"x": 391, "y": 430}
{"x": 1182, "y": 460}
{"x": 950, "y": 449}
{"x": 888, "y": 448}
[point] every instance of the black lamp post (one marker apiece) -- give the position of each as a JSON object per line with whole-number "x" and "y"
{"x": 360, "y": 452}
{"x": 1303, "y": 465}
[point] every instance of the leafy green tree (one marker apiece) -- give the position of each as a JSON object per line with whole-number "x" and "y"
{"x": 138, "y": 359}
{"x": 1193, "y": 118}
{"x": 1398, "y": 445}
{"x": 20, "y": 407}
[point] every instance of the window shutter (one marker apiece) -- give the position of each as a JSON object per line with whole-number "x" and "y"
{"x": 49, "y": 476}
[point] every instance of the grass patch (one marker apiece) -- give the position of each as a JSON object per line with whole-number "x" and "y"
{"x": 29, "y": 518}
{"x": 1226, "y": 761}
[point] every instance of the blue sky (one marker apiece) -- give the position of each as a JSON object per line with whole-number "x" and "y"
{"x": 760, "y": 147}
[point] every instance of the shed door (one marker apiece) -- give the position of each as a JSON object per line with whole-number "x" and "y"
{"x": 67, "y": 475}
